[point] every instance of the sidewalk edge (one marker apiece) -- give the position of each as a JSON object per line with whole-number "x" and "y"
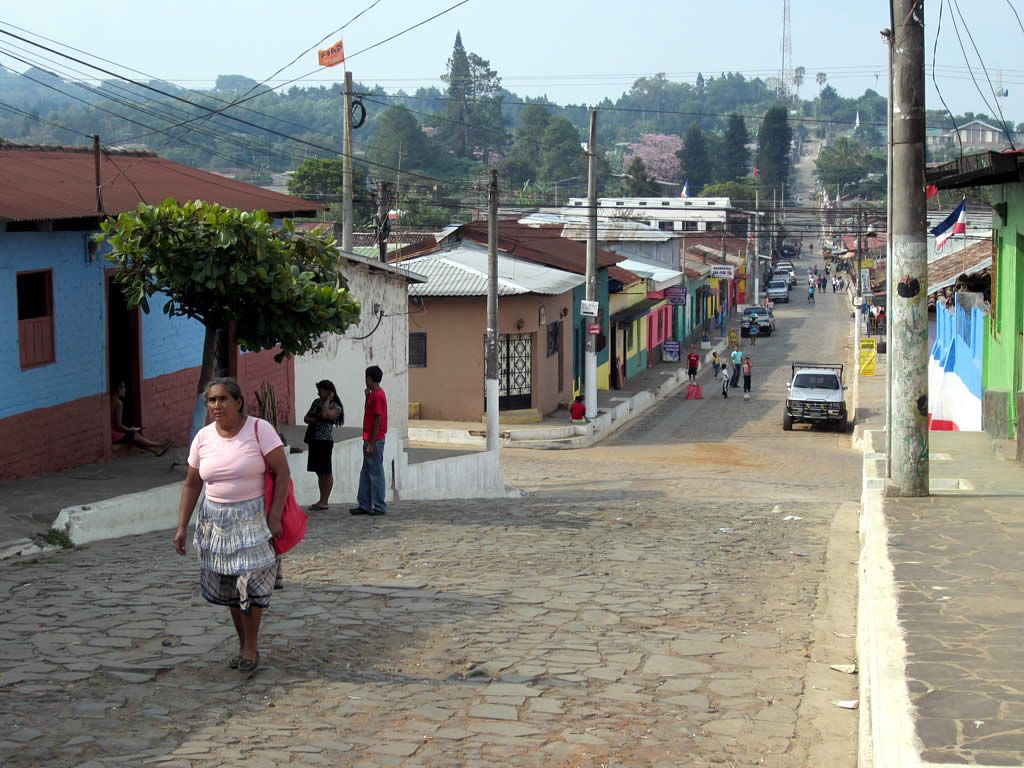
{"x": 886, "y": 730}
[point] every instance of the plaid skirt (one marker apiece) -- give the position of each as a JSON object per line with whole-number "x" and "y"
{"x": 237, "y": 565}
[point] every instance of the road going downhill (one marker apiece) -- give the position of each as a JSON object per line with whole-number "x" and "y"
{"x": 672, "y": 596}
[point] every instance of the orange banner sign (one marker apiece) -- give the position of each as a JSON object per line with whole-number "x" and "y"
{"x": 332, "y": 56}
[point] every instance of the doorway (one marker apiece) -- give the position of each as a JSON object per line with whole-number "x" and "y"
{"x": 124, "y": 351}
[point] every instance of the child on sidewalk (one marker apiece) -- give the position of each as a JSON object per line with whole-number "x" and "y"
{"x": 716, "y": 364}
{"x": 725, "y": 380}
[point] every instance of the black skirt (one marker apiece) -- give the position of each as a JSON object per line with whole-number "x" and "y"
{"x": 319, "y": 458}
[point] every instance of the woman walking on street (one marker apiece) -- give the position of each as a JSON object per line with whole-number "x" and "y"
{"x": 747, "y": 370}
{"x": 324, "y": 414}
{"x": 237, "y": 564}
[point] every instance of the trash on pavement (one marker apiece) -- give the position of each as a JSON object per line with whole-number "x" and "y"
{"x": 798, "y": 554}
{"x": 847, "y": 669}
{"x": 792, "y": 517}
{"x": 847, "y": 704}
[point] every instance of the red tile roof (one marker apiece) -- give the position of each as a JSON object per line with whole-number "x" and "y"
{"x": 39, "y": 183}
{"x": 544, "y": 244}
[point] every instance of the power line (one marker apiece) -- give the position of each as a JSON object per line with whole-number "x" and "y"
{"x": 38, "y": 119}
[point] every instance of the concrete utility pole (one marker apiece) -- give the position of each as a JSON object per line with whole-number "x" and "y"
{"x": 590, "y": 367}
{"x": 757, "y": 245}
{"x": 491, "y": 374}
{"x": 346, "y": 177}
{"x": 888, "y": 37}
{"x": 909, "y": 256}
{"x": 860, "y": 253}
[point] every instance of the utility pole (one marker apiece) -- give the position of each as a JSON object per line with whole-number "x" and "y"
{"x": 888, "y": 36}
{"x": 757, "y": 246}
{"x": 590, "y": 366}
{"x": 491, "y": 374}
{"x": 910, "y": 466}
{"x": 346, "y": 174}
{"x": 99, "y": 185}
{"x": 383, "y": 218}
{"x": 860, "y": 229}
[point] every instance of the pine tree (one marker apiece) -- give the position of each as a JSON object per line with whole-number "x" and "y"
{"x": 774, "y": 153}
{"x": 636, "y": 182}
{"x": 454, "y": 133}
{"x": 694, "y": 159}
{"x": 735, "y": 163}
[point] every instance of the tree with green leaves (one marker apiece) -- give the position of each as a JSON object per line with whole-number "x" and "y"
{"x": 322, "y": 180}
{"x": 398, "y": 142}
{"x": 636, "y": 182}
{"x": 735, "y": 158}
{"x": 231, "y": 269}
{"x": 798, "y": 80}
{"x": 560, "y": 150}
{"x": 472, "y": 123}
{"x": 521, "y": 163}
{"x": 739, "y": 194}
{"x": 774, "y": 151}
{"x": 694, "y": 159}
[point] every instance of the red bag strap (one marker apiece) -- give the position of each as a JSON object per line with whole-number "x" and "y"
{"x": 256, "y": 429}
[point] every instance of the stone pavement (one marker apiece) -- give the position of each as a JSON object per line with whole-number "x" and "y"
{"x": 956, "y": 652}
{"x": 577, "y": 627}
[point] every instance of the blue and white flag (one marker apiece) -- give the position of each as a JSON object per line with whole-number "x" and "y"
{"x": 954, "y": 224}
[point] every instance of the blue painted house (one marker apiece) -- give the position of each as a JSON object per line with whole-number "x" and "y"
{"x": 69, "y": 335}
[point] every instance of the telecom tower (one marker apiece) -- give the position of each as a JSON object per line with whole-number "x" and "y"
{"x": 786, "y": 72}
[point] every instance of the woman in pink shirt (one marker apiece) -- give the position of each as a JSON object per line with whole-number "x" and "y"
{"x": 237, "y": 564}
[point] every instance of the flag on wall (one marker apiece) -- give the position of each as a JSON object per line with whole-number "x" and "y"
{"x": 954, "y": 224}
{"x": 332, "y": 56}
{"x": 686, "y": 189}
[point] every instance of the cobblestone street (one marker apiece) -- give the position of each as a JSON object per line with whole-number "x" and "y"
{"x": 650, "y": 602}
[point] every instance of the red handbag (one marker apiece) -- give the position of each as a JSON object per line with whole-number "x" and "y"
{"x": 294, "y": 518}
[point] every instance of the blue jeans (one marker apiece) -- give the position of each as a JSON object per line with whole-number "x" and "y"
{"x": 371, "y": 479}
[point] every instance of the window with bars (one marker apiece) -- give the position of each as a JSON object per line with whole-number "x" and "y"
{"x": 417, "y": 350}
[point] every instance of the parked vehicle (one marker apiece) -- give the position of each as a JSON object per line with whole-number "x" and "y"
{"x": 778, "y": 290}
{"x": 816, "y": 396}
{"x": 789, "y": 272}
{"x": 765, "y": 321}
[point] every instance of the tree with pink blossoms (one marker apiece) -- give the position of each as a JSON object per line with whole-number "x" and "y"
{"x": 658, "y": 152}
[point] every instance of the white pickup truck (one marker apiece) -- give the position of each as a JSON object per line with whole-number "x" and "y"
{"x": 778, "y": 290}
{"x": 816, "y": 396}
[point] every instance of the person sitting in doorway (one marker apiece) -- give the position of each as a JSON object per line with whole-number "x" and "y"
{"x": 124, "y": 435}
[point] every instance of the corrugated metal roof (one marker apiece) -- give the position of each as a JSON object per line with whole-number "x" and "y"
{"x": 608, "y": 230}
{"x": 662, "y": 276}
{"x": 39, "y": 183}
{"x": 462, "y": 271}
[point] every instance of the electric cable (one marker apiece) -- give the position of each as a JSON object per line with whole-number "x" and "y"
{"x": 935, "y": 46}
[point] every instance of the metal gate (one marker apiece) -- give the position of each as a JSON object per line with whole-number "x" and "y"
{"x": 515, "y": 371}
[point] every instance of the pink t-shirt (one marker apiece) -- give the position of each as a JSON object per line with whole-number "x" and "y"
{"x": 233, "y": 468}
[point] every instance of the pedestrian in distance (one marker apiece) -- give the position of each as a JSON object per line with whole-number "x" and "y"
{"x": 692, "y": 364}
{"x": 725, "y": 380}
{"x": 375, "y": 427}
{"x": 578, "y": 411}
{"x": 324, "y": 414}
{"x": 810, "y": 294}
{"x": 716, "y": 364}
{"x": 237, "y": 564}
{"x": 124, "y": 435}
{"x": 747, "y": 370}
{"x": 737, "y": 361}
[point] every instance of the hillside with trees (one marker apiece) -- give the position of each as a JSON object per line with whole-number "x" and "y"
{"x": 438, "y": 143}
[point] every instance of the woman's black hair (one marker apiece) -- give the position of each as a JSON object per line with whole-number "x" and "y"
{"x": 230, "y": 384}
{"x": 328, "y": 385}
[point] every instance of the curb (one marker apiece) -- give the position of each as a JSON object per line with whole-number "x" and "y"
{"x": 886, "y": 727}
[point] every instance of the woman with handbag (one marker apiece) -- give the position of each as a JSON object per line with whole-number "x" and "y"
{"x": 238, "y": 566}
{"x": 323, "y": 415}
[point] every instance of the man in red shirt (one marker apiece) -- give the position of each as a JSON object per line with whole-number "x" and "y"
{"x": 692, "y": 362}
{"x": 372, "y": 485}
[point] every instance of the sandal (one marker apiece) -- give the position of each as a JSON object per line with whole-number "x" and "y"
{"x": 248, "y": 665}
{"x": 164, "y": 450}
{"x": 233, "y": 662}
{"x": 318, "y": 508}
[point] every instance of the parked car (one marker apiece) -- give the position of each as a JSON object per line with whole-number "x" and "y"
{"x": 816, "y": 396}
{"x": 765, "y": 321}
{"x": 778, "y": 290}
{"x": 789, "y": 275}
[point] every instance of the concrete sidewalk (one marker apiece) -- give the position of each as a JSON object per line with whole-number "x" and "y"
{"x": 940, "y": 609}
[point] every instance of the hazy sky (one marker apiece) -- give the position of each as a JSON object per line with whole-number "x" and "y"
{"x": 571, "y": 51}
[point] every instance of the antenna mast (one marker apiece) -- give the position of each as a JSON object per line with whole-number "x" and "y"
{"x": 786, "y": 71}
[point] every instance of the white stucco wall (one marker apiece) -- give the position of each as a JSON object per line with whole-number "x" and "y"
{"x": 344, "y": 358}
